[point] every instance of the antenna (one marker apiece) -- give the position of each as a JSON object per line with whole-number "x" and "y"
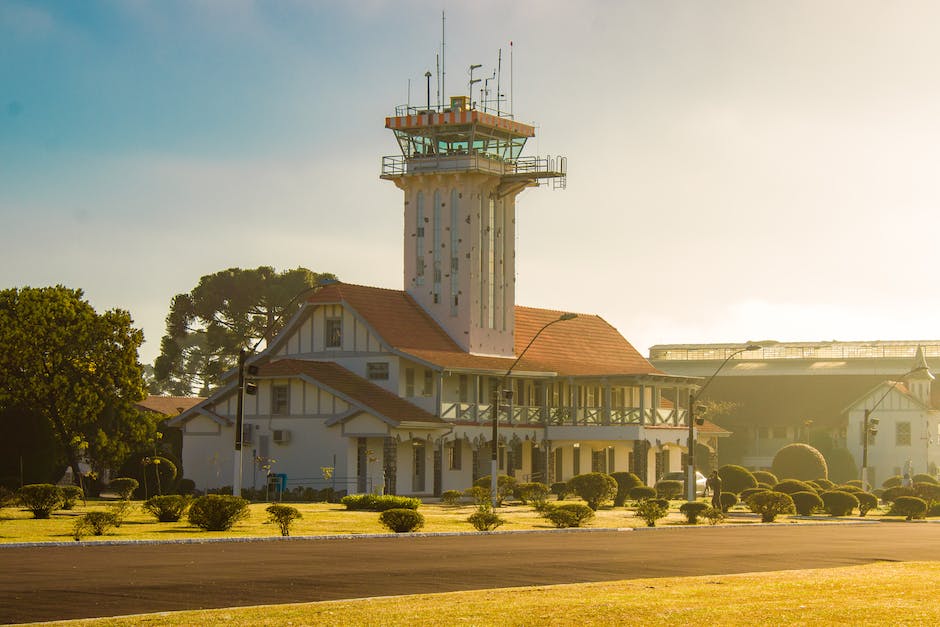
{"x": 486, "y": 90}
{"x": 473, "y": 67}
{"x": 408, "y": 103}
{"x": 443, "y": 71}
{"x": 438, "y": 84}
{"x": 512, "y": 101}
{"x": 499, "y": 76}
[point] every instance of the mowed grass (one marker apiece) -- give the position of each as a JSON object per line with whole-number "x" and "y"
{"x": 873, "y": 594}
{"x": 18, "y": 525}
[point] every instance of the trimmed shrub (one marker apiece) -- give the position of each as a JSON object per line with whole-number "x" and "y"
{"x": 651, "y": 510}
{"x": 594, "y": 487}
{"x": 40, "y": 498}
{"x": 856, "y": 482}
{"x": 560, "y": 489}
{"x": 217, "y": 512}
{"x": 922, "y": 477}
{"x": 842, "y": 466}
{"x": 379, "y": 502}
{"x": 790, "y": 486}
{"x": 714, "y": 515}
{"x": 746, "y": 494}
{"x": 625, "y": 482}
{"x": 123, "y": 486}
{"x": 764, "y": 486}
{"x": 770, "y": 505}
{"x": 169, "y": 508}
{"x": 120, "y": 509}
{"x": 505, "y": 486}
{"x": 401, "y": 520}
{"x": 485, "y": 519}
{"x": 866, "y": 502}
{"x": 930, "y": 492}
{"x": 451, "y": 497}
{"x": 727, "y": 500}
{"x": 890, "y": 495}
{"x": 95, "y": 523}
{"x": 909, "y": 506}
{"x": 892, "y": 482}
{"x": 765, "y": 476}
{"x": 568, "y": 515}
{"x": 848, "y": 488}
{"x": 934, "y": 510}
{"x": 71, "y": 494}
{"x": 799, "y": 461}
{"x": 641, "y": 493}
{"x": 669, "y": 489}
{"x": 839, "y": 503}
{"x": 535, "y": 493}
{"x": 736, "y": 478}
{"x": 825, "y": 484}
{"x": 692, "y": 510}
{"x": 806, "y": 502}
{"x": 186, "y": 486}
{"x": 480, "y": 496}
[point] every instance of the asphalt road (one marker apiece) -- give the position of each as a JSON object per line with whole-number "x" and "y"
{"x": 53, "y": 583}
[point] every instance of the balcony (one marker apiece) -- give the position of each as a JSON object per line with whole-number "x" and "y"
{"x": 529, "y": 415}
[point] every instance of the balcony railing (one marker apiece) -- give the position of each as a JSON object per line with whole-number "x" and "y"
{"x": 563, "y": 416}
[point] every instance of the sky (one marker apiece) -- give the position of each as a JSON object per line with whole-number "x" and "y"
{"x": 737, "y": 170}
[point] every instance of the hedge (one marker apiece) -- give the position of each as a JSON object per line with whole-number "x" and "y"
{"x": 379, "y": 502}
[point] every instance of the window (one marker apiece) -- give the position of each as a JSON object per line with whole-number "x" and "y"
{"x": 419, "y": 240}
{"x": 377, "y": 370}
{"x": 280, "y": 400}
{"x": 453, "y": 455}
{"x": 576, "y": 463}
{"x": 334, "y": 332}
{"x": 559, "y": 465}
{"x": 428, "y": 389}
{"x": 903, "y": 434}
{"x": 409, "y": 382}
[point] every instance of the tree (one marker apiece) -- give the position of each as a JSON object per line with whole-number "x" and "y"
{"x": 76, "y": 370}
{"x": 227, "y": 311}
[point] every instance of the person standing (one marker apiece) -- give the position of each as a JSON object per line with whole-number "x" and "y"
{"x": 713, "y": 483}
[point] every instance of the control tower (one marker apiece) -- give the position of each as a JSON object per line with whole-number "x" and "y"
{"x": 460, "y": 170}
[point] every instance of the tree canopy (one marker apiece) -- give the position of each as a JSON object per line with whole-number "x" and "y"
{"x": 227, "y": 311}
{"x": 75, "y": 370}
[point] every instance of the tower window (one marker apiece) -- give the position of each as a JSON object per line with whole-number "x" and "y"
{"x": 334, "y": 332}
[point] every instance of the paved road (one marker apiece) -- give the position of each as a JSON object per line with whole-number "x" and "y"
{"x": 50, "y": 583}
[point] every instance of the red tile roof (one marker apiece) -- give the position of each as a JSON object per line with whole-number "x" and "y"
{"x": 352, "y": 386}
{"x": 169, "y": 405}
{"x": 584, "y": 346}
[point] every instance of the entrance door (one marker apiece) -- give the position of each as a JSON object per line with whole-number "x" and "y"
{"x": 419, "y": 467}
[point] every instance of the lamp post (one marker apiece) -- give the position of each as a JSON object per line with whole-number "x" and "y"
{"x": 870, "y": 426}
{"x": 693, "y": 398}
{"x": 500, "y": 391}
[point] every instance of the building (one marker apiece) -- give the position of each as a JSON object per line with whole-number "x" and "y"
{"x": 371, "y": 389}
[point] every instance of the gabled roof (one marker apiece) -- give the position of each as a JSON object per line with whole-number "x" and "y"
{"x": 584, "y": 346}
{"x": 893, "y": 386}
{"x": 169, "y": 405}
{"x": 366, "y": 394}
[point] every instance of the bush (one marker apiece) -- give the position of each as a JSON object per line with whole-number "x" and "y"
{"x": 692, "y": 510}
{"x": 120, "y": 509}
{"x": 96, "y": 523}
{"x": 186, "y": 486}
{"x": 451, "y": 497}
{"x": 736, "y": 478}
{"x": 765, "y": 476}
{"x": 806, "y": 503}
{"x": 568, "y": 515}
{"x": 799, "y": 461}
{"x": 169, "y": 508}
{"x": 866, "y": 502}
{"x": 714, "y": 515}
{"x": 651, "y": 510}
{"x": 770, "y": 505}
{"x": 825, "y": 484}
{"x": 839, "y": 503}
{"x": 669, "y": 489}
{"x": 560, "y": 489}
{"x": 401, "y": 520}
{"x": 934, "y": 510}
{"x": 727, "y": 500}
{"x": 217, "y": 512}
{"x": 40, "y": 498}
{"x": 790, "y": 486}
{"x": 924, "y": 478}
{"x": 625, "y": 482}
{"x": 485, "y": 519}
{"x": 847, "y": 488}
{"x": 123, "y": 486}
{"x": 594, "y": 487}
{"x": 856, "y": 482}
{"x": 505, "y": 486}
{"x": 892, "y": 482}
{"x": 930, "y": 492}
{"x": 764, "y": 486}
{"x": 534, "y": 493}
{"x": 909, "y": 506}
{"x": 890, "y": 495}
{"x": 480, "y": 496}
{"x": 71, "y": 495}
{"x": 746, "y": 494}
{"x": 641, "y": 493}
{"x": 379, "y": 502}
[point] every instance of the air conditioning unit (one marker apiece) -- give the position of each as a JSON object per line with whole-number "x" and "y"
{"x": 281, "y": 436}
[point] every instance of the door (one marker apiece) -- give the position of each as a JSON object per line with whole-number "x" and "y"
{"x": 419, "y": 466}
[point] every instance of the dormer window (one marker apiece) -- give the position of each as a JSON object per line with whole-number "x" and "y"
{"x": 334, "y": 333}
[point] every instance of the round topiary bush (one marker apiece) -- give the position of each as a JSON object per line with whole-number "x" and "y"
{"x": 594, "y": 487}
{"x": 924, "y": 478}
{"x": 736, "y": 479}
{"x": 770, "y": 505}
{"x": 799, "y": 461}
{"x": 892, "y": 482}
{"x": 669, "y": 489}
{"x": 890, "y": 495}
{"x": 651, "y": 510}
{"x": 847, "y": 488}
{"x": 485, "y": 519}
{"x": 560, "y": 489}
{"x": 96, "y": 523}
{"x": 505, "y": 486}
{"x": 568, "y": 515}
{"x": 168, "y": 508}
{"x": 824, "y": 483}
{"x": 806, "y": 502}
{"x": 909, "y": 506}
{"x": 40, "y": 498}
{"x": 839, "y": 503}
{"x": 930, "y": 492}
{"x": 765, "y": 476}
{"x": 71, "y": 494}
{"x": 746, "y": 494}
{"x": 401, "y": 520}
{"x": 866, "y": 502}
{"x": 790, "y": 486}
{"x": 451, "y": 497}
{"x": 727, "y": 500}
{"x": 283, "y": 516}
{"x": 123, "y": 486}
{"x": 217, "y": 512}
{"x": 625, "y": 482}
{"x": 534, "y": 493}
{"x": 641, "y": 493}
{"x": 692, "y": 510}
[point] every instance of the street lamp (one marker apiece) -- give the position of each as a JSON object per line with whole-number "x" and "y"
{"x": 870, "y": 426}
{"x": 500, "y": 391}
{"x": 693, "y": 398}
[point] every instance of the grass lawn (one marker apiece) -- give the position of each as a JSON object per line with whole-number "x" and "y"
{"x": 873, "y": 594}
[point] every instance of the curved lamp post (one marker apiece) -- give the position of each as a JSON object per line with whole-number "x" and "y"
{"x": 870, "y": 425}
{"x": 693, "y": 398}
{"x": 494, "y": 445}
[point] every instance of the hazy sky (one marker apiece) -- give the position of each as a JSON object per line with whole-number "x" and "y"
{"x": 737, "y": 170}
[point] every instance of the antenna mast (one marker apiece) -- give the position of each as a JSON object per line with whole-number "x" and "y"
{"x": 512, "y": 101}
{"x": 499, "y": 76}
{"x": 443, "y": 69}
